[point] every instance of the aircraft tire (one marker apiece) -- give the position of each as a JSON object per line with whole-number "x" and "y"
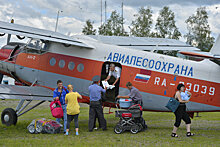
{"x": 9, "y": 117}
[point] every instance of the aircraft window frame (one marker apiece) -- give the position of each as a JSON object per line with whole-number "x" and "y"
{"x": 52, "y": 61}
{"x": 71, "y": 65}
{"x": 62, "y": 63}
{"x": 80, "y": 67}
{"x": 37, "y": 46}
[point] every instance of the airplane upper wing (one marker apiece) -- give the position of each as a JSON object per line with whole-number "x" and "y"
{"x": 31, "y": 32}
{"x": 144, "y": 43}
{"x": 25, "y": 92}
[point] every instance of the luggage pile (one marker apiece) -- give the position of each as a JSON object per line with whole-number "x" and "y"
{"x": 44, "y": 126}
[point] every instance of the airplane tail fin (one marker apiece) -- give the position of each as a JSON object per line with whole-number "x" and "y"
{"x": 215, "y": 50}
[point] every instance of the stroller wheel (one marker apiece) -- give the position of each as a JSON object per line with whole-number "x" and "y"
{"x": 140, "y": 127}
{"x": 118, "y": 129}
{"x": 134, "y": 129}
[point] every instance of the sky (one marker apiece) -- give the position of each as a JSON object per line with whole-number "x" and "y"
{"x": 43, "y": 13}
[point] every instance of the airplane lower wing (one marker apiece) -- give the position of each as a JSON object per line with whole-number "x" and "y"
{"x": 25, "y": 93}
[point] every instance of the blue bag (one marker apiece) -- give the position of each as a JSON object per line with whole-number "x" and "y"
{"x": 172, "y": 104}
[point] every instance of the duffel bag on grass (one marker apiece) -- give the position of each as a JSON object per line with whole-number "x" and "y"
{"x": 44, "y": 126}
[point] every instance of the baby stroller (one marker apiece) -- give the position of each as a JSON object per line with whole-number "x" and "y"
{"x": 129, "y": 119}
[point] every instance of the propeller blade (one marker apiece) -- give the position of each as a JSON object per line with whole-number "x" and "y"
{"x": 1, "y": 77}
{"x": 8, "y": 39}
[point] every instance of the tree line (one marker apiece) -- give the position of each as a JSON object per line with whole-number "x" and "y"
{"x": 198, "y": 35}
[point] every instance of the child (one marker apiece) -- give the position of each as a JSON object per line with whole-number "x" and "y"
{"x": 72, "y": 108}
{"x": 185, "y": 96}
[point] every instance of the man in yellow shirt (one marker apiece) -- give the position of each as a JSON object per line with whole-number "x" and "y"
{"x": 72, "y": 108}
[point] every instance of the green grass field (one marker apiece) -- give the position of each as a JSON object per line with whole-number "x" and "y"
{"x": 206, "y": 127}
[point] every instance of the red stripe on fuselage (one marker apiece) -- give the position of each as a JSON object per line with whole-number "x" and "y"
{"x": 93, "y": 67}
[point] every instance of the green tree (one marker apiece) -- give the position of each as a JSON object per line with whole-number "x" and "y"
{"x": 199, "y": 30}
{"x": 88, "y": 28}
{"x": 141, "y": 26}
{"x": 113, "y": 26}
{"x": 165, "y": 25}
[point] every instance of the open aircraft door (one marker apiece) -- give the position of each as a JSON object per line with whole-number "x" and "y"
{"x": 110, "y": 94}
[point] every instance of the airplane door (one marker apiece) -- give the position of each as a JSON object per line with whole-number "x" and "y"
{"x": 110, "y": 94}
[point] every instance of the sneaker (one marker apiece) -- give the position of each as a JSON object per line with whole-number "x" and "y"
{"x": 77, "y": 133}
{"x": 67, "y": 133}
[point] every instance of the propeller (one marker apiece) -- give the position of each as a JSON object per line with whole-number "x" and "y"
{"x": 1, "y": 77}
{"x": 8, "y": 39}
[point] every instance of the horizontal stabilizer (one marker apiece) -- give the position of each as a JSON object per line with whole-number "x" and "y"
{"x": 213, "y": 55}
{"x": 201, "y": 54}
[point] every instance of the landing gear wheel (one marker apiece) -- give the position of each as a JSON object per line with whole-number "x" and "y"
{"x": 9, "y": 117}
{"x": 118, "y": 129}
{"x": 134, "y": 129}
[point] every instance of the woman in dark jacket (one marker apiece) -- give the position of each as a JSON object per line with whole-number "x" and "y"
{"x": 181, "y": 113}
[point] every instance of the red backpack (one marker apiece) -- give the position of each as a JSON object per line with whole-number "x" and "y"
{"x": 56, "y": 109}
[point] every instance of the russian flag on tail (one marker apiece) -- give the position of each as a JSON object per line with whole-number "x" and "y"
{"x": 143, "y": 76}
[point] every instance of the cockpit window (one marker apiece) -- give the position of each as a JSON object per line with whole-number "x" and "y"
{"x": 37, "y": 46}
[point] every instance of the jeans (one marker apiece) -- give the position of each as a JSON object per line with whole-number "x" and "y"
{"x": 64, "y": 117}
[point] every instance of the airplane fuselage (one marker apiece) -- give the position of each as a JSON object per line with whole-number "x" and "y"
{"x": 155, "y": 75}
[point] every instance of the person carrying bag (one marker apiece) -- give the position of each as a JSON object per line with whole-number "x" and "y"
{"x": 59, "y": 94}
{"x": 179, "y": 109}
